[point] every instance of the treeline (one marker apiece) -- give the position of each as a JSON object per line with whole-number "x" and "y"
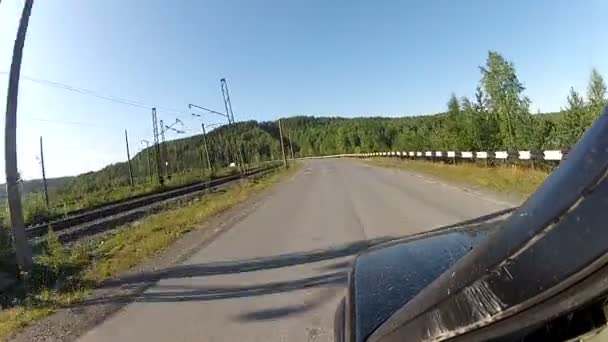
{"x": 497, "y": 117}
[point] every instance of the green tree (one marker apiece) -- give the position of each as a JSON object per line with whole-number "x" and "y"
{"x": 489, "y": 135}
{"x": 573, "y": 123}
{"x": 473, "y": 127}
{"x": 505, "y": 96}
{"x": 454, "y": 126}
{"x": 596, "y": 96}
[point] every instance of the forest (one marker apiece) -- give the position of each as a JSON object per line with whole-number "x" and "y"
{"x": 497, "y": 117}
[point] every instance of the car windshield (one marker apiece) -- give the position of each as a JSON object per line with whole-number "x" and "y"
{"x": 213, "y": 168}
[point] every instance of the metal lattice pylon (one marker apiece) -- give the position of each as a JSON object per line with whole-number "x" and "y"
{"x": 227, "y": 104}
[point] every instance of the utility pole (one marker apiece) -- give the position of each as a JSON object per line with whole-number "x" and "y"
{"x": 243, "y": 164}
{"x": 163, "y": 129}
{"x": 164, "y": 150}
{"x": 22, "y": 248}
{"x": 129, "y": 159}
{"x": 290, "y": 143}
{"x": 46, "y": 190}
{"x": 176, "y": 164}
{"x": 282, "y": 145}
{"x": 200, "y": 155}
{"x": 203, "y": 126}
{"x": 157, "y": 149}
{"x": 226, "y": 153}
{"x": 148, "y": 158}
{"x": 206, "y": 148}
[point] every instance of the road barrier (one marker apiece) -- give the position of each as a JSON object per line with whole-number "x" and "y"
{"x": 524, "y": 155}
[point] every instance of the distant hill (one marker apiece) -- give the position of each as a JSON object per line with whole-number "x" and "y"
{"x": 552, "y": 115}
{"x": 35, "y": 185}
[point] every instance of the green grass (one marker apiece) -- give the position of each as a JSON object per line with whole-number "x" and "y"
{"x": 519, "y": 180}
{"x": 35, "y": 210}
{"x": 81, "y": 268}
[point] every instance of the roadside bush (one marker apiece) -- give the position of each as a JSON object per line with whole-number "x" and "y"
{"x": 56, "y": 268}
{"x": 8, "y": 269}
{"x": 6, "y": 251}
{"x": 36, "y": 211}
{"x": 5, "y": 241}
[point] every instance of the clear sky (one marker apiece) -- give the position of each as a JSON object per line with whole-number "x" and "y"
{"x": 280, "y": 58}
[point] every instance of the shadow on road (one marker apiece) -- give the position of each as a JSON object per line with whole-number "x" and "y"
{"x": 276, "y": 313}
{"x": 292, "y": 259}
{"x": 137, "y": 287}
{"x": 336, "y": 266}
{"x": 334, "y": 277}
{"x": 169, "y": 293}
{"x": 248, "y": 265}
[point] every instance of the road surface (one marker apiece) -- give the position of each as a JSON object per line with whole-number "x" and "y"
{"x": 278, "y": 274}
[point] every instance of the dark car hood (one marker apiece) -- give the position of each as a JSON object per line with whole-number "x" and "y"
{"x": 387, "y": 276}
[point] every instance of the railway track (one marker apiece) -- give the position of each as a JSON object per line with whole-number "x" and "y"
{"x": 91, "y": 222}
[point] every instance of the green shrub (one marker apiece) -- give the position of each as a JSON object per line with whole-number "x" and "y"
{"x": 36, "y": 211}
{"x": 6, "y": 246}
{"x": 6, "y": 250}
{"x": 55, "y": 268}
{"x": 8, "y": 268}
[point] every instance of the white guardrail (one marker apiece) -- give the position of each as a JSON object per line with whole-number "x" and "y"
{"x": 469, "y": 155}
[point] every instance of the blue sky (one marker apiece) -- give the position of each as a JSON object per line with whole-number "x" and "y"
{"x": 280, "y": 58}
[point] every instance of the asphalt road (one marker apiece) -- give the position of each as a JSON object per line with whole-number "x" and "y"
{"x": 278, "y": 274}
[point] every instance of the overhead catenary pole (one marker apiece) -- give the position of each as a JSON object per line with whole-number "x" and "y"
{"x": 290, "y": 143}
{"x": 23, "y": 250}
{"x": 226, "y": 97}
{"x": 174, "y": 165}
{"x": 159, "y": 166}
{"x": 243, "y": 164}
{"x": 282, "y": 145}
{"x": 225, "y": 152}
{"x": 230, "y": 114}
{"x": 148, "y": 158}
{"x": 164, "y": 158}
{"x": 129, "y": 160}
{"x": 206, "y": 148}
{"x": 46, "y": 189}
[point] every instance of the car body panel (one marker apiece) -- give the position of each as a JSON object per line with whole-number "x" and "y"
{"x": 387, "y": 278}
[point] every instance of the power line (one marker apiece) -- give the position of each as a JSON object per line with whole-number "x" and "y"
{"x": 75, "y": 123}
{"x": 84, "y": 91}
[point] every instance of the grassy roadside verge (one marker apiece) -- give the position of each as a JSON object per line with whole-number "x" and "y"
{"x": 509, "y": 179}
{"x": 65, "y": 276}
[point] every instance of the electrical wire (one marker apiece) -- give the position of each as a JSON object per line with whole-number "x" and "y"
{"x": 84, "y": 91}
{"x": 62, "y": 122}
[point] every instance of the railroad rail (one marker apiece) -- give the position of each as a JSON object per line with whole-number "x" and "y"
{"x": 109, "y": 215}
